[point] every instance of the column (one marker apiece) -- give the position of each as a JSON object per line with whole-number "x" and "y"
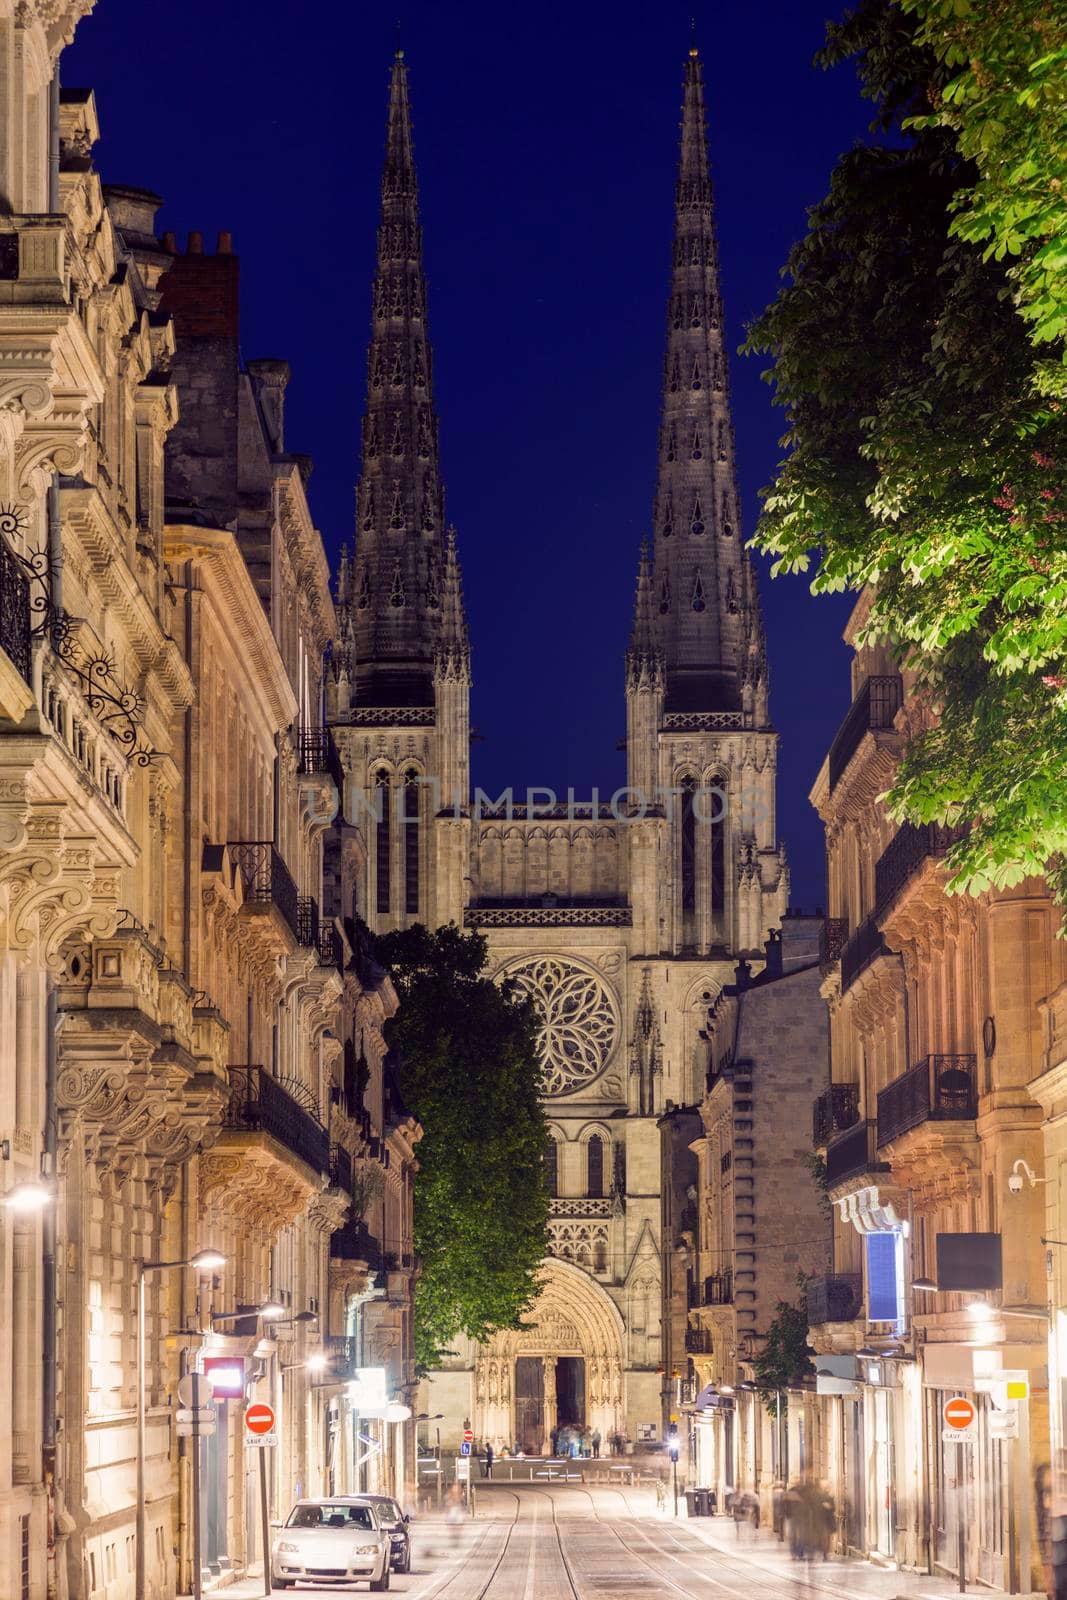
{"x": 549, "y": 1402}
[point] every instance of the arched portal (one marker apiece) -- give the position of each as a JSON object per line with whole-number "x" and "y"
{"x": 565, "y": 1364}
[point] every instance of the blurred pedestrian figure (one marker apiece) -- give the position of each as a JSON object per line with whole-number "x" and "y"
{"x": 596, "y": 1444}
{"x": 487, "y": 1464}
{"x": 791, "y": 1513}
{"x": 778, "y": 1510}
{"x": 1057, "y": 1536}
{"x": 826, "y": 1519}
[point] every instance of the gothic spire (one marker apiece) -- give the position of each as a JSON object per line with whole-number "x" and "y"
{"x": 396, "y": 581}
{"x": 699, "y": 585}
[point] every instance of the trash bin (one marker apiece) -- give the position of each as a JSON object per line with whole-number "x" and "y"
{"x": 691, "y": 1506}
{"x": 703, "y": 1500}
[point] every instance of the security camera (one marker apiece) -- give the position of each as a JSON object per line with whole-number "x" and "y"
{"x": 1020, "y": 1170}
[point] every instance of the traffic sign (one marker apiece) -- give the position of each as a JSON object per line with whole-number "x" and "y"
{"x": 961, "y": 1421}
{"x": 194, "y": 1390}
{"x": 259, "y": 1419}
{"x": 465, "y": 1448}
{"x": 199, "y": 1430}
{"x": 468, "y": 1436}
{"x": 196, "y": 1414}
{"x": 257, "y": 1439}
{"x": 463, "y": 1470}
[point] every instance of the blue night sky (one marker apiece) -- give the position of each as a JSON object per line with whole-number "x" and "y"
{"x": 546, "y": 141}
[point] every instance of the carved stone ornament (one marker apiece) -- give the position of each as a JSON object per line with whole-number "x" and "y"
{"x": 578, "y": 1016}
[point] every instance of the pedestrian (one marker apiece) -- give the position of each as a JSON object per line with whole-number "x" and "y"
{"x": 596, "y": 1444}
{"x": 487, "y": 1470}
{"x": 554, "y": 1437}
{"x": 778, "y": 1510}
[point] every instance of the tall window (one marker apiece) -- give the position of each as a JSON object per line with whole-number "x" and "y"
{"x": 689, "y": 849}
{"x": 411, "y": 842}
{"x": 718, "y": 853}
{"x": 383, "y": 819}
{"x": 552, "y": 1167}
{"x": 595, "y": 1167}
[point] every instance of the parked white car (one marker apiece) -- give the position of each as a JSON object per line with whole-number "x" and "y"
{"x": 335, "y": 1540}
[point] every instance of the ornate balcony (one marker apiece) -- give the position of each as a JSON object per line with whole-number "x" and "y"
{"x": 873, "y": 709}
{"x": 698, "y": 1341}
{"x": 849, "y": 1155}
{"x": 259, "y": 1104}
{"x": 718, "y": 1289}
{"x": 267, "y": 881}
{"x": 316, "y": 752}
{"x": 836, "y": 1109}
{"x": 905, "y": 854}
{"x": 15, "y": 613}
{"x": 307, "y": 921}
{"x": 836, "y": 1298}
{"x": 832, "y": 938}
{"x": 865, "y": 946}
{"x": 341, "y": 1167}
{"x": 331, "y": 947}
{"x": 940, "y": 1088}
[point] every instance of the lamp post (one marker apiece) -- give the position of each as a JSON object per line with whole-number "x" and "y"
{"x": 204, "y": 1261}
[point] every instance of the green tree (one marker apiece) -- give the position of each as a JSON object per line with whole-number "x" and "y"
{"x": 1006, "y": 103}
{"x": 468, "y": 1065}
{"x": 924, "y": 463}
{"x": 785, "y": 1359}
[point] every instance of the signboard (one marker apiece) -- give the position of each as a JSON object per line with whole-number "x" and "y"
{"x": 1004, "y": 1424}
{"x": 226, "y": 1376}
{"x": 259, "y": 1421}
{"x": 961, "y": 1421}
{"x": 463, "y": 1469}
{"x": 366, "y": 1391}
{"x": 465, "y": 1448}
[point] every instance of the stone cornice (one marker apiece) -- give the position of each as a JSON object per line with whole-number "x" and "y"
{"x": 239, "y": 614}
{"x": 306, "y": 552}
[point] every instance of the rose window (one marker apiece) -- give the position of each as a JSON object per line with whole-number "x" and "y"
{"x": 579, "y": 1024}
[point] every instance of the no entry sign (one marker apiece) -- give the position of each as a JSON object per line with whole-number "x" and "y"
{"x": 960, "y": 1420}
{"x": 259, "y": 1419}
{"x": 468, "y": 1435}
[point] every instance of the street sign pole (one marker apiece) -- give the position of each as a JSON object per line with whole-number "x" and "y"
{"x": 265, "y": 1514}
{"x": 961, "y": 1507}
{"x": 198, "y": 1588}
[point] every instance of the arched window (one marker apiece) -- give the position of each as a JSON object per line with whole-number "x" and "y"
{"x": 718, "y": 856}
{"x": 600, "y": 1255}
{"x": 382, "y": 820}
{"x": 552, "y": 1167}
{"x": 689, "y": 854}
{"x": 594, "y": 1157}
{"x": 411, "y": 843}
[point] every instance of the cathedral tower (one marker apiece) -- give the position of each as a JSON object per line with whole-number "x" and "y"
{"x": 699, "y": 735}
{"x": 400, "y": 698}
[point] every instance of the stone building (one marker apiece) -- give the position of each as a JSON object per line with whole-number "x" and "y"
{"x": 623, "y": 919}
{"x": 939, "y": 1050}
{"x": 192, "y": 1051}
{"x": 761, "y": 1227}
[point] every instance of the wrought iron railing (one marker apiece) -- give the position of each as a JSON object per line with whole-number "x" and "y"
{"x": 341, "y": 1167}
{"x": 859, "y": 951}
{"x": 355, "y": 1242}
{"x": 836, "y": 1109}
{"x": 835, "y": 1298}
{"x": 331, "y": 947}
{"x": 904, "y": 855}
{"x": 940, "y": 1088}
{"x": 719, "y": 1289}
{"x": 832, "y": 937}
{"x": 316, "y": 752}
{"x": 307, "y": 921}
{"x": 267, "y": 880}
{"x": 848, "y": 1154}
{"x": 342, "y": 1352}
{"x": 698, "y": 1341}
{"x": 258, "y": 1103}
{"x": 874, "y": 707}
{"x": 15, "y": 627}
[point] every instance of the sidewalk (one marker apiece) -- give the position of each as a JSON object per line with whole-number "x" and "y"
{"x": 840, "y": 1576}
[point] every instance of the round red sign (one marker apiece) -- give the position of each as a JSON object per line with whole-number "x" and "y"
{"x": 959, "y": 1413}
{"x": 468, "y": 1435}
{"x": 259, "y": 1418}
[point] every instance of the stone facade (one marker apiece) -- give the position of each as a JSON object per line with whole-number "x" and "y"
{"x": 192, "y": 1052}
{"x": 624, "y": 920}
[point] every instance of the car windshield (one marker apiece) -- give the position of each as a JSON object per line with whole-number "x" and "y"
{"x": 331, "y": 1516}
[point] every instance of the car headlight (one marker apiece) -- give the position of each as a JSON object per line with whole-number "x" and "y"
{"x": 365, "y": 1550}
{"x": 290, "y": 1549}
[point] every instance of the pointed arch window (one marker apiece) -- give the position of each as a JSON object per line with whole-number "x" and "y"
{"x": 665, "y": 597}
{"x": 594, "y": 1167}
{"x": 420, "y": 368}
{"x": 378, "y": 372}
{"x": 696, "y": 521}
{"x": 396, "y": 516}
{"x": 672, "y": 449}
{"x": 398, "y": 439}
{"x": 368, "y": 509}
{"x": 397, "y": 379}
{"x": 716, "y": 381}
{"x": 699, "y": 603}
{"x": 427, "y": 515}
{"x": 726, "y": 521}
{"x": 551, "y": 1158}
{"x": 372, "y": 446}
{"x": 678, "y": 311}
{"x": 696, "y": 449}
{"x": 411, "y": 843}
{"x": 668, "y": 515}
{"x": 722, "y": 441}
{"x": 363, "y": 601}
{"x": 382, "y": 854}
{"x": 600, "y": 1256}
{"x": 676, "y": 377}
{"x": 694, "y": 313}
{"x": 696, "y": 382}
{"x": 689, "y": 850}
{"x": 718, "y": 854}
{"x": 397, "y": 597}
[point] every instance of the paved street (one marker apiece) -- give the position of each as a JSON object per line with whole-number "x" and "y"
{"x": 568, "y": 1542}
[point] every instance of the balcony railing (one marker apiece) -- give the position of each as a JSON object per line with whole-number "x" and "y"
{"x": 937, "y": 1089}
{"x": 849, "y": 1154}
{"x": 267, "y": 879}
{"x": 15, "y": 612}
{"x": 719, "y": 1289}
{"x": 341, "y": 1167}
{"x": 331, "y": 948}
{"x": 832, "y": 938}
{"x": 307, "y": 921}
{"x": 316, "y": 752}
{"x": 342, "y": 1352}
{"x": 355, "y": 1242}
{"x": 874, "y": 707}
{"x": 837, "y": 1298}
{"x": 859, "y": 951}
{"x": 836, "y": 1109}
{"x": 259, "y": 1104}
{"x": 698, "y": 1341}
{"x": 905, "y": 854}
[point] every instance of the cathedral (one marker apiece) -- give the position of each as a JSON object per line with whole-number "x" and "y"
{"x": 623, "y": 920}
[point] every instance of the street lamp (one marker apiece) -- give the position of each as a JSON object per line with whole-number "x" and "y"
{"x": 29, "y": 1196}
{"x": 203, "y": 1261}
{"x": 673, "y": 1446}
{"x": 313, "y": 1363}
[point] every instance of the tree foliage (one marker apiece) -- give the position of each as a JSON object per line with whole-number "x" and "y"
{"x": 924, "y": 463}
{"x": 467, "y": 1051}
{"x": 1006, "y": 103}
{"x": 785, "y": 1359}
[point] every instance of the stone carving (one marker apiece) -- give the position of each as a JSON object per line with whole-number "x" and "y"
{"x": 579, "y": 1020}
{"x": 548, "y": 917}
